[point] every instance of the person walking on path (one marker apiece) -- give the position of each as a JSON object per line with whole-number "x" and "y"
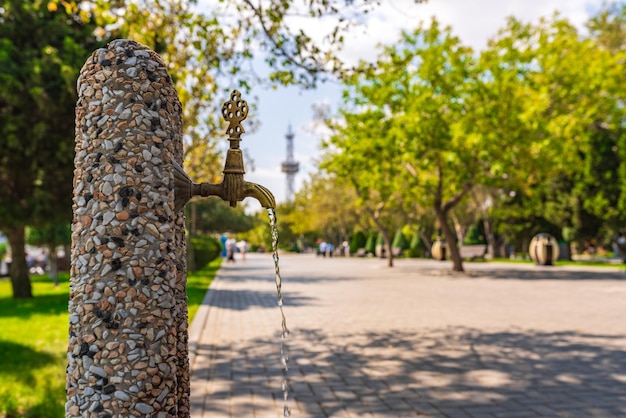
{"x": 243, "y": 249}
{"x": 231, "y": 247}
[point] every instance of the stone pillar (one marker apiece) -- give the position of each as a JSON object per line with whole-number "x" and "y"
{"x": 127, "y": 353}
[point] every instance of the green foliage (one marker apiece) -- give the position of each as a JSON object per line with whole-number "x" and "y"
{"x": 380, "y": 239}
{"x": 417, "y": 248}
{"x": 213, "y": 215}
{"x": 400, "y": 240}
{"x": 535, "y": 120}
{"x": 568, "y": 233}
{"x": 205, "y": 250}
{"x": 3, "y": 249}
{"x": 370, "y": 245}
{"x": 50, "y": 234}
{"x": 324, "y": 208}
{"x": 41, "y": 53}
{"x": 358, "y": 241}
{"x": 475, "y": 235}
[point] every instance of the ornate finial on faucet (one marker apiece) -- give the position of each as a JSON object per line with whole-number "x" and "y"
{"x": 233, "y": 188}
{"x": 235, "y": 111}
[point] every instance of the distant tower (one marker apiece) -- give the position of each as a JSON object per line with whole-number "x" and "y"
{"x": 290, "y": 166}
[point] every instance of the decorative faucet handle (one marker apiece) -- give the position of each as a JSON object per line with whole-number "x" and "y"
{"x": 235, "y": 111}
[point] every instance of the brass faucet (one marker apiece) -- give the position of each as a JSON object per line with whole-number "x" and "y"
{"x": 233, "y": 187}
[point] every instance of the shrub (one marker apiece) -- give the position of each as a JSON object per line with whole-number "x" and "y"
{"x": 205, "y": 250}
{"x": 370, "y": 245}
{"x": 417, "y": 248}
{"x": 400, "y": 241}
{"x": 358, "y": 241}
{"x": 474, "y": 235}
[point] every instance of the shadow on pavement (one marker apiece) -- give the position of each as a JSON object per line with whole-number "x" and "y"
{"x": 506, "y": 273}
{"x": 441, "y": 372}
{"x": 241, "y": 300}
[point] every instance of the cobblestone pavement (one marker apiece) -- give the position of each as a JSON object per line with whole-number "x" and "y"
{"x": 501, "y": 340}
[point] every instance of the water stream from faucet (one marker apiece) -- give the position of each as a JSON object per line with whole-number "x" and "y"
{"x": 284, "y": 357}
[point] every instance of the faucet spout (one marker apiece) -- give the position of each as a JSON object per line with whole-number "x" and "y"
{"x": 260, "y": 193}
{"x": 233, "y": 188}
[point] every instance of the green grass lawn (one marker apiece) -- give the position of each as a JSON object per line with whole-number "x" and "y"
{"x": 33, "y": 344}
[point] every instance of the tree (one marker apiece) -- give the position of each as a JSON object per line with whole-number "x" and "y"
{"x": 558, "y": 95}
{"x": 324, "y": 209}
{"x": 405, "y": 123}
{"x": 358, "y": 152}
{"x": 44, "y": 44}
{"x": 212, "y": 48}
{"x": 216, "y": 216}
{"x": 41, "y": 52}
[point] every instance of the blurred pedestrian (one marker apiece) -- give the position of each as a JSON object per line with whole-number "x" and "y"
{"x": 243, "y": 248}
{"x": 231, "y": 247}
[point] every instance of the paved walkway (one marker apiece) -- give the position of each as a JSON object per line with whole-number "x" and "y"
{"x": 502, "y": 340}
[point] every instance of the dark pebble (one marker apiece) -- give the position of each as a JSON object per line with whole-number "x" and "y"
{"x": 126, "y": 191}
{"x": 84, "y": 349}
{"x": 116, "y": 264}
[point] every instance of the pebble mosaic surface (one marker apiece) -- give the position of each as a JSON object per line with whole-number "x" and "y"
{"x": 127, "y": 354}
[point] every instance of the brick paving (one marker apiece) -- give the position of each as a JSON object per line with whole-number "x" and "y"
{"x": 501, "y": 340}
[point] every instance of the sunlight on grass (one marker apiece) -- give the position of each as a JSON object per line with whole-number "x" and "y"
{"x": 198, "y": 284}
{"x": 33, "y": 344}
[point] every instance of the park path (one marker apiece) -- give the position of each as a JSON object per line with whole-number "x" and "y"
{"x": 502, "y": 340}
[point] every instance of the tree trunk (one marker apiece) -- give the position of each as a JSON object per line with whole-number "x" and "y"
{"x": 450, "y": 236}
{"x": 53, "y": 272}
{"x": 20, "y": 281}
{"x": 389, "y": 252}
{"x": 492, "y": 251}
{"x": 427, "y": 242}
{"x": 386, "y": 239}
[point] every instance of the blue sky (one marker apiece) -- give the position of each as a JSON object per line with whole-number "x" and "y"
{"x": 473, "y": 21}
